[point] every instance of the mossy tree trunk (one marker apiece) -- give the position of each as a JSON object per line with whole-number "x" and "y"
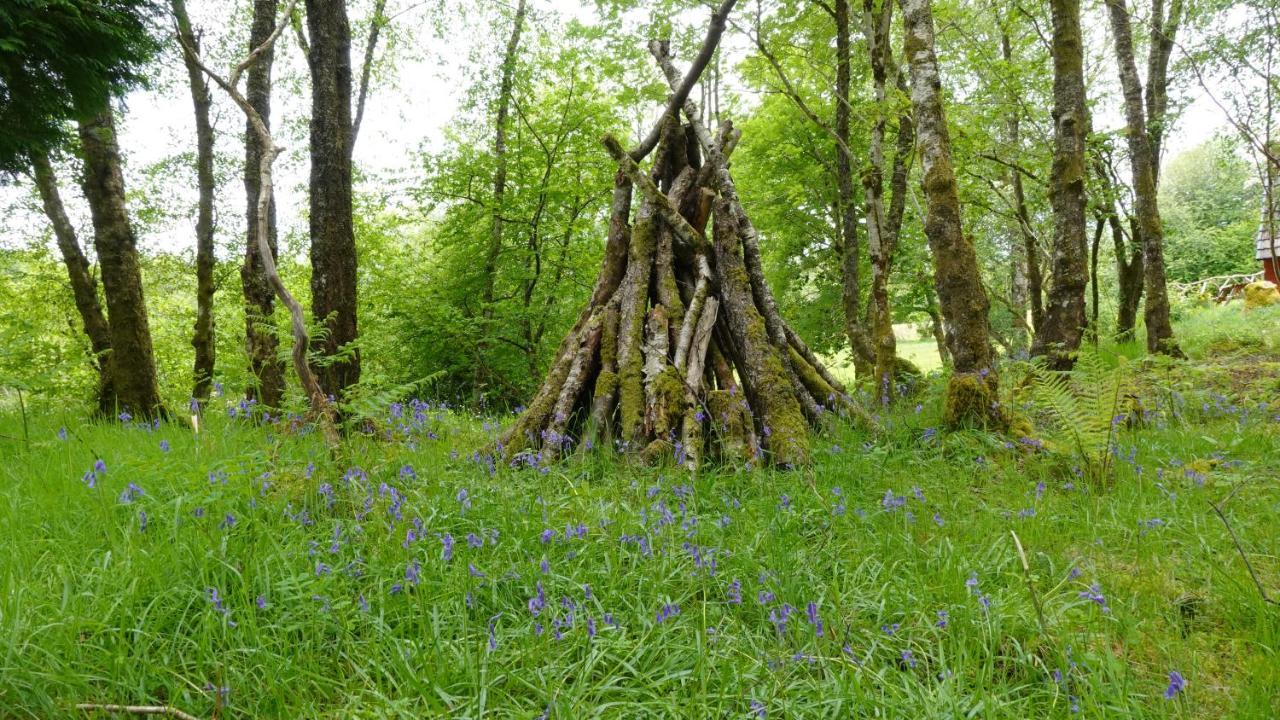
{"x": 202, "y": 338}
{"x": 133, "y": 367}
{"x": 1144, "y": 161}
{"x": 333, "y": 243}
{"x": 1059, "y": 336}
{"x": 681, "y": 351}
{"x": 884, "y": 225}
{"x": 261, "y": 344}
{"x": 84, "y": 288}
{"x": 971, "y": 397}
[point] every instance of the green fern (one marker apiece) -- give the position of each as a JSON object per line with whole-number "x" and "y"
{"x": 1082, "y": 406}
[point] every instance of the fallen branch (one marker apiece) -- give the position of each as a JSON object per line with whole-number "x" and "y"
{"x": 1240, "y": 549}
{"x": 137, "y": 710}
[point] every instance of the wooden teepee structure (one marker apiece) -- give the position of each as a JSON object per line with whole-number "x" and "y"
{"x": 681, "y": 349}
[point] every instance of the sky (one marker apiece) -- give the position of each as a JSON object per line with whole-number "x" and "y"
{"x": 407, "y": 111}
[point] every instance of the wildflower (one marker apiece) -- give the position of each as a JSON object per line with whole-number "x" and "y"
{"x": 142, "y": 520}
{"x": 412, "y": 572}
{"x": 812, "y": 611}
{"x": 474, "y": 572}
{"x": 1176, "y": 685}
{"x": 62, "y": 433}
{"x": 891, "y": 502}
{"x": 735, "y": 592}
{"x": 908, "y": 658}
{"x": 228, "y": 522}
{"x": 125, "y": 416}
{"x": 362, "y": 603}
{"x": 464, "y": 499}
{"x": 1094, "y": 593}
{"x": 474, "y": 541}
{"x": 493, "y": 637}
{"x": 100, "y": 466}
{"x": 937, "y": 520}
{"x": 942, "y": 620}
{"x": 757, "y": 709}
{"x": 164, "y": 446}
{"x": 322, "y": 569}
{"x": 547, "y": 535}
{"x": 972, "y": 582}
{"x": 446, "y": 544}
{"x": 890, "y": 629}
{"x": 130, "y": 493}
{"x": 667, "y": 612}
{"x": 261, "y": 602}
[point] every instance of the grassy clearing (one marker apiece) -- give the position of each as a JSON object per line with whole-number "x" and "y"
{"x": 245, "y": 574}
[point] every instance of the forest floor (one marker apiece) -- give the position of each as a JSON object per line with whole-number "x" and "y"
{"x": 243, "y": 573}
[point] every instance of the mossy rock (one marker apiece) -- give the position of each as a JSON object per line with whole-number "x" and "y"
{"x": 1260, "y": 294}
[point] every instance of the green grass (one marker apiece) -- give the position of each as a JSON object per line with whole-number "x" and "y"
{"x": 94, "y": 608}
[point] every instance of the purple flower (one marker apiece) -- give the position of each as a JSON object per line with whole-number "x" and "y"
{"x": 735, "y": 592}
{"x": 908, "y": 658}
{"x": 62, "y": 433}
{"x": 1176, "y": 685}
{"x": 130, "y": 493}
{"x": 667, "y": 612}
{"x": 228, "y": 522}
{"x": 757, "y": 709}
{"x": 1094, "y": 593}
{"x": 261, "y": 602}
{"x": 362, "y": 603}
{"x": 891, "y": 502}
{"x": 547, "y": 535}
{"x": 942, "y": 619}
{"x": 446, "y": 544}
{"x": 464, "y": 499}
{"x": 142, "y": 520}
{"x": 164, "y": 446}
{"x": 890, "y": 629}
{"x": 412, "y": 572}
{"x": 812, "y": 611}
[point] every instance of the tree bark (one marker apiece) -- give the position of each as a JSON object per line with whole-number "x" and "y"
{"x": 1143, "y": 161}
{"x": 202, "y": 339}
{"x": 882, "y": 229}
{"x": 1030, "y": 246}
{"x": 133, "y": 366}
{"x": 972, "y": 390}
{"x": 1063, "y": 329}
{"x": 84, "y": 289}
{"x": 261, "y": 343}
{"x": 333, "y": 245}
{"x": 850, "y": 253}
{"x": 490, "y": 269}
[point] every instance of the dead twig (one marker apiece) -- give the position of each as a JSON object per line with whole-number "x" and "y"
{"x": 1217, "y": 509}
{"x": 137, "y": 710}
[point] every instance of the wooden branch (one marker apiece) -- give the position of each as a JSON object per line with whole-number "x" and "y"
{"x": 682, "y": 90}
{"x": 693, "y": 315}
{"x": 320, "y": 406}
{"x": 375, "y": 27}
{"x": 661, "y": 203}
{"x": 137, "y": 710}
{"x": 1248, "y": 565}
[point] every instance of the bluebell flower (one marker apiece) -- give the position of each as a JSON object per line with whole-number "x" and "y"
{"x": 942, "y": 619}
{"x": 261, "y": 602}
{"x": 164, "y": 446}
{"x": 62, "y": 433}
{"x": 228, "y": 522}
{"x": 446, "y": 547}
{"x": 142, "y": 520}
{"x": 362, "y": 603}
{"x": 412, "y": 572}
{"x": 1176, "y": 685}
{"x": 130, "y": 493}
{"x": 100, "y": 466}
{"x": 735, "y": 592}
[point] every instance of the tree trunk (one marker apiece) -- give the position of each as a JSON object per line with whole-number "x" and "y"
{"x": 202, "y": 338}
{"x": 1129, "y": 277}
{"x": 490, "y": 269}
{"x": 333, "y": 245}
{"x": 83, "y": 286}
{"x": 1063, "y": 329}
{"x": 1143, "y": 160}
{"x": 882, "y": 229}
{"x": 1030, "y": 246}
{"x": 261, "y": 343}
{"x": 972, "y": 397}
{"x": 133, "y": 366}
{"x": 850, "y": 254}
